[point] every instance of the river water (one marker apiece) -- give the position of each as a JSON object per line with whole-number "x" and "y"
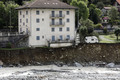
{"x": 52, "y": 72}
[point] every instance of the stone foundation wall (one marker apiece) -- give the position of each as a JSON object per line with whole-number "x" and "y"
{"x": 80, "y": 53}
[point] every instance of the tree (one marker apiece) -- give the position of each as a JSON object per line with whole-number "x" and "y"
{"x": 100, "y": 5}
{"x": 85, "y": 29}
{"x": 83, "y": 33}
{"x": 114, "y": 15}
{"x": 117, "y": 32}
{"x": 2, "y": 14}
{"x": 86, "y": 22}
{"x": 11, "y": 14}
{"x": 66, "y": 1}
{"x": 95, "y": 14}
{"x": 83, "y": 10}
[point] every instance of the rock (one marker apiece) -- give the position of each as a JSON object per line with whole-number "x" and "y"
{"x": 1, "y": 63}
{"x": 110, "y": 65}
{"x": 19, "y": 65}
{"x": 78, "y": 64}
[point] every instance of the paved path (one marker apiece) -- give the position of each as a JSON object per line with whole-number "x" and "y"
{"x": 103, "y": 38}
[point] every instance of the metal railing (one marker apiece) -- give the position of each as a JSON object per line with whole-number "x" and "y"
{"x": 57, "y": 24}
{"x": 57, "y": 16}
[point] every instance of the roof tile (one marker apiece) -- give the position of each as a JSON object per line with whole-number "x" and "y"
{"x": 47, "y": 4}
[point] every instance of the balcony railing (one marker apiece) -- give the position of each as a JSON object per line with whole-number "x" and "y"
{"x": 60, "y": 16}
{"x": 57, "y": 16}
{"x": 57, "y": 24}
{"x": 62, "y": 41}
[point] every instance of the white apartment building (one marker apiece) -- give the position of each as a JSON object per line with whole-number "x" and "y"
{"x": 48, "y": 23}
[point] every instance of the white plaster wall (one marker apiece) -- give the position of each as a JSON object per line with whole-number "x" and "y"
{"x": 45, "y": 28}
{"x": 27, "y": 25}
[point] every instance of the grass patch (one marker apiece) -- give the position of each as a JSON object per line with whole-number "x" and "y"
{"x": 104, "y": 41}
{"x": 111, "y": 37}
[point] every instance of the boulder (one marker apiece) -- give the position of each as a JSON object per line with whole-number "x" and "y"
{"x": 110, "y": 65}
{"x": 78, "y": 64}
{"x": 1, "y": 63}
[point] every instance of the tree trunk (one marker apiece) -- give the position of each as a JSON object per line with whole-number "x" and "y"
{"x": 117, "y": 38}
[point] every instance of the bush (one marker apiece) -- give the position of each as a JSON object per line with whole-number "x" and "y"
{"x": 105, "y": 31}
{"x": 98, "y": 26}
{"x": 9, "y": 45}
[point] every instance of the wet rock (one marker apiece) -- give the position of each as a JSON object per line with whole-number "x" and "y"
{"x": 110, "y": 65}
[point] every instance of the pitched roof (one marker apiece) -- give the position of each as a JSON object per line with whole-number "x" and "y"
{"x": 46, "y": 4}
{"x": 118, "y": 1}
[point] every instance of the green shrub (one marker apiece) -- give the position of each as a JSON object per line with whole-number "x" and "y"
{"x": 9, "y": 45}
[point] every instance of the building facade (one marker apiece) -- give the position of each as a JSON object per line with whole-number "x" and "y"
{"x": 48, "y": 23}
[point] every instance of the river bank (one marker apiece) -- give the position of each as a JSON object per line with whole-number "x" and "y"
{"x": 83, "y": 53}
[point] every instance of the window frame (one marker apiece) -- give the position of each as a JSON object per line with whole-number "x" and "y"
{"x": 37, "y": 12}
{"x": 53, "y": 38}
{"x": 26, "y": 12}
{"x": 68, "y": 12}
{"x": 60, "y": 29}
{"x": 37, "y": 38}
{"x": 52, "y": 29}
{"x": 37, "y": 20}
{"x": 37, "y": 29}
{"x": 68, "y": 20}
{"x": 67, "y": 29}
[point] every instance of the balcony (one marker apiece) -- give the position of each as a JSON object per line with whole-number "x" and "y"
{"x": 57, "y": 16}
{"x": 57, "y": 24}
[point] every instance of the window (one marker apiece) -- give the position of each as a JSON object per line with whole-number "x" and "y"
{"x": 23, "y": 16}
{"x": 92, "y": 39}
{"x": 26, "y": 12}
{"x": 43, "y": 37}
{"x": 60, "y": 21}
{"x": 60, "y": 29}
{"x": 23, "y": 24}
{"x": 61, "y": 38}
{"x": 20, "y": 13}
{"x": 37, "y": 29}
{"x": 37, "y": 12}
{"x": 60, "y": 13}
{"x": 20, "y": 29}
{"x": 26, "y": 20}
{"x": 68, "y": 20}
{"x": 68, "y": 29}
{"x": 68, "y": 12}
{"x": 53, "y": 38}
{"x": 37, "y": 20}
{"x": 68, "y": 37}
{"x": 37, "y": 37}
{"x": 20, "y": 20}
{"x": 53, "y": 13}
{"x": 53, "y": 21}
{"x": 42, "y": 19}
{"x": 26, "y": 30}
{"x": 52, "y": 29}
{"x": 42, "y": 11}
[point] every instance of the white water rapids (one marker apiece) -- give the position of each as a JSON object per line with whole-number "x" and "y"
{"x": 52, "y": 72}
